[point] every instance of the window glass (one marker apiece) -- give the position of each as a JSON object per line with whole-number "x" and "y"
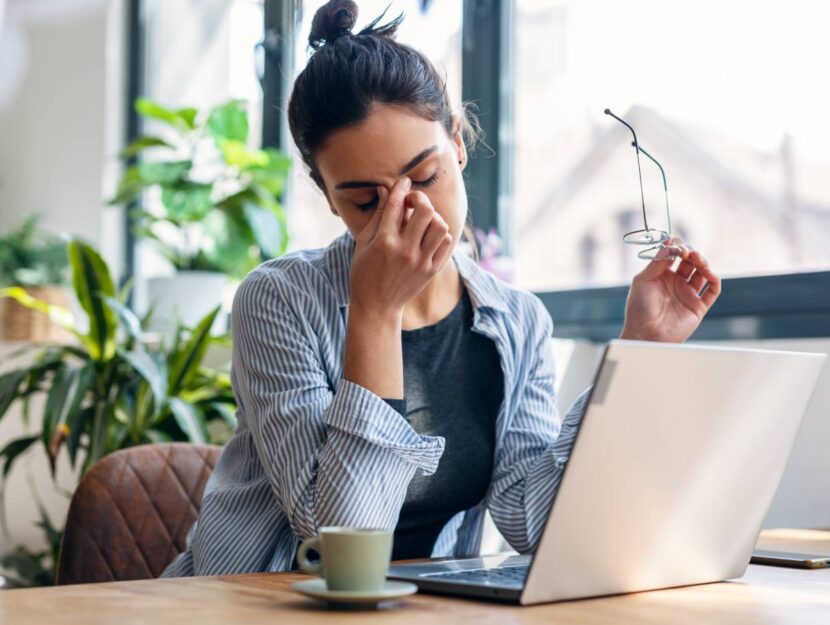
{"x": 729, "y": 96}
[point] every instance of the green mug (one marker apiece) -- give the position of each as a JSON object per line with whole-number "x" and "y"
{"x": 350, "y": 558}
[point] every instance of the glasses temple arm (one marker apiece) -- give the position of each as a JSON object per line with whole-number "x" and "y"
{"x": 639, "y": 169}
{"x": 663, "y": 172}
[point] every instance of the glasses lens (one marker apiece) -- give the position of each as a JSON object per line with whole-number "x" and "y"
{"x": 646, "y": 237}
{"x": 661, "y": 252}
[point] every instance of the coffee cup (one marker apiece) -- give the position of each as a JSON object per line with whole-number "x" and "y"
{"x": 351, "y": 559}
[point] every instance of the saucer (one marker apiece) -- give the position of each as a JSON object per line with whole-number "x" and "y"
{"x": 316, "y": 588}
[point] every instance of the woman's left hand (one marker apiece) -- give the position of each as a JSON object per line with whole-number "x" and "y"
{"x": 665, "y": 304}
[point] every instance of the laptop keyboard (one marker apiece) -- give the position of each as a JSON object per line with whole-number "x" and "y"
{"x": 509, "y": 575}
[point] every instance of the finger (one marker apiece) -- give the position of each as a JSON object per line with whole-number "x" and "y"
{"x": 689, "y": 296}
{"x": 698, "y": 281}
{"x": 443, "y": 252}
{"x": 713, "y": 289}
{"x": 422, "y": 215}
{"x": 685, "y": 269}
{"x": 383, "y": 197}
{"x": 391, "y": 216}
{"x": 655, "y": 268}
{"x": 436, "y": 231}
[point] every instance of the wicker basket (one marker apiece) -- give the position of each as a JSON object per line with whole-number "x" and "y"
{"x": 18, "y": 323}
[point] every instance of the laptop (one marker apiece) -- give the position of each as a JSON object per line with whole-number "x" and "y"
{"x": 676, "y": 461}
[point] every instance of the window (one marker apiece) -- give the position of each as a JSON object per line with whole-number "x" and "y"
{"x": 432, "y": 27}
{"x": 726, "y": 95}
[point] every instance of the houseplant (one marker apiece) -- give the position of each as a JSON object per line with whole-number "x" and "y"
{"x": 34, "y": 260}
{"x": 110, "y": 389}
{"x": 211, "y": 204}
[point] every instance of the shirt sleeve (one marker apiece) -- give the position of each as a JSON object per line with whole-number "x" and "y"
{"x": 332, "y": 457}
{"x": 535, "y": 448}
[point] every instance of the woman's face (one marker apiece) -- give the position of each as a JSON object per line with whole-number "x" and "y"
{"x": 390, "y": 143}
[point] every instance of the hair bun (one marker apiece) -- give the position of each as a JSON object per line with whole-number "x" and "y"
{"x": 334, "y": 19}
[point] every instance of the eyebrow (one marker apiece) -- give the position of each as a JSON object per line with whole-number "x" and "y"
{"x": 360, "y": 184}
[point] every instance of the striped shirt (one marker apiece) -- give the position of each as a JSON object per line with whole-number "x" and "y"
{"x": 313, "y": 449}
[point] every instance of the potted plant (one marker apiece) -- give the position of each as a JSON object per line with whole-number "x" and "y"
{"x": 110, "y": 389}
{"x": 212, "y": 204}
{"x": 34, "y": 260}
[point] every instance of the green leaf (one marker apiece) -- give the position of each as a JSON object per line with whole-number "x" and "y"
{"x": 129, "y": 320}
{"x": 151, "y": 371}
{"x": 187, "y": 201}
{"x": 232, "y": 247}
{"x": 187, "y": 359}
{"x": 11, "y": 451}
{"x": 227, "y": 412}
{"x": 64, "y": 407}
{"x": 163, "y": 172}
{"x": 237, "y": 154}
{"x": 229, "y": 121}
{"x": 57, "y": 314}
{"x": 125, "y": 290}
{"x": 92, "y": 282}
{"x": 266, "y": 228}
{"x": 157, "y": 436}
{"x": 188, "y": 116}
{"x": 181, "y": 119}
{"x": 55, "y": 399}
{"x": 142, "y": 143}
{"x": 77, "y": 426}
{"x": 130, "y": 187}
{"x": 9, "y": 384}
{"x": 190, "y": 419}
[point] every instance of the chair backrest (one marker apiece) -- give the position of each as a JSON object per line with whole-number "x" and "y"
{"x": 131, "y": 512}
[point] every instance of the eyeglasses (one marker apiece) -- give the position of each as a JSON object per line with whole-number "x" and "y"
{"x": 658, "y": 240}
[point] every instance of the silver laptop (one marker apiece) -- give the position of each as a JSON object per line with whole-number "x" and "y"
{"x": 677, "y": 459}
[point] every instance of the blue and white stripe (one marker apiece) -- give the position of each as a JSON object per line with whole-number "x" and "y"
{"x": 313, "y": 449}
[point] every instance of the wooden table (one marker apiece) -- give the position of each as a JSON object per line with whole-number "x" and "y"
{"x": 765, "y": 595}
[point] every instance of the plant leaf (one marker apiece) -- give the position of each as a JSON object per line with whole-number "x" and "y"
{"x": 190, "y": 419}
{"x": 151, "y": 371}
{"x": 227, "y": 412}
{"x": 142, "y": 143}
{"x": 163, "y": 172}
{"x": 129, "y": 320}
{"x": 92, "y": 282}
{"x": 187, "y": 359}
{"x": 188, "y": 116}
{"x": 130, "y": 187}
{"x": 11, "y": 451}
{"x": 9, "y": 385}
{"x": 187, "y": 201}
{"x": 266, "y": 228}
{"x": 239, "y": 155}
{"x": 181, "y": 119}
{"x": 157, "y": 436}
{"x": 229, "y": 121}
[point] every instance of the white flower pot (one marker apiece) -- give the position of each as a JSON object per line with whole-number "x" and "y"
{"x": 188, "y": 295}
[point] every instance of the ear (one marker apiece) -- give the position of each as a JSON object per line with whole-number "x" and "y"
{"x": 458, "y": 140}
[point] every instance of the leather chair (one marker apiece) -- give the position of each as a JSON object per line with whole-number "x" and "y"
{"x": 131, "y": 512}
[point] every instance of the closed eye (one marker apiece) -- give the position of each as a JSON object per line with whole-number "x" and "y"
{"x": 422, "y": 184}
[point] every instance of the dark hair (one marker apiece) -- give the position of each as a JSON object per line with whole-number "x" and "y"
{"x": 347, "y": 73}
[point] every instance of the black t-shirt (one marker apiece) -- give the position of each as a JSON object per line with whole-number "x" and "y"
{"x": 453, "y": 387}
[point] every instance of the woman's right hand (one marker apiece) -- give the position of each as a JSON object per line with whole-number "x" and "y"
{"x": 394, "y": 258}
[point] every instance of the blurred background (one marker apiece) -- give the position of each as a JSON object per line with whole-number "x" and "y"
{"x": 149, "y": 139}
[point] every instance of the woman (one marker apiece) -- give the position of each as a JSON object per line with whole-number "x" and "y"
{"x": 387, "y": 381}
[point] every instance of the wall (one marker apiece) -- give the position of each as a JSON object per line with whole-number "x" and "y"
{"x": 60, "y": 128}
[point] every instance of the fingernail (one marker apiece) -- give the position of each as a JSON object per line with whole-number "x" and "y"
{"x": 407, "y": 182}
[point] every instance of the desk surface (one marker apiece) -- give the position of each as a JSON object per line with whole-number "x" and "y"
{"x": 765, "y": 595}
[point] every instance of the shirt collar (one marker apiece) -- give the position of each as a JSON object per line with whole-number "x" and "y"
{"x": 485, "y": 291}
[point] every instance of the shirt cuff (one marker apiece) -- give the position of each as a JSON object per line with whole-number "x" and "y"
{"x": 358, "y": 411}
